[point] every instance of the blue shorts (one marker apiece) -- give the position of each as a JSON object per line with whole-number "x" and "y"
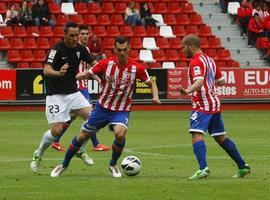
{"x": 202, "y": 122}
{"x": 86, "y": 94}
{"x": 101, "y": 117}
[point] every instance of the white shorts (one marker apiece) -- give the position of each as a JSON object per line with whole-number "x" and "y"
{"x": 58, "y": 106}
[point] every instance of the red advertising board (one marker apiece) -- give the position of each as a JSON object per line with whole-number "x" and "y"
{"x": 7, "y": 84}
{"x": 240, "y": 83}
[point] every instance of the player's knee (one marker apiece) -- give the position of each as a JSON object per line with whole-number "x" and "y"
{"x": 220, "y": 138}
{"x": 57, "y": 128}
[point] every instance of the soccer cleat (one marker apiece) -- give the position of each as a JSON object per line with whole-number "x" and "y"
{"x": 35, "y": 163}
{"x": 115, "y": 171}
{"x": 57, "y": 146}
{"x": 85, "y": 158}
{"x": 56, "y": 172}
{"x": 101, "y": 147}
{"x": 243, "y": 172}
{"x": 200, "y": 174}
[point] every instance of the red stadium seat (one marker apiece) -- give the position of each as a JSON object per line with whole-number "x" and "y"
{"x": 112, "y": 31}
{"x": 45, "y": 31}
{"x": 6, "y": 31}
{"x": 108, "y": 53}
{"x": 32, "y": 31}
{"x": 181, "y": 64}
{"x": 54, "y": 8}
{"x": 117, "y": 20}
{"x": 13, "y": 56}
{"x": 103, "y": 19}
{"x": 155, "y": 65}
{"x": 172, "y": 55}
{"x": 205, "y": 31}
{"x": 136, "y": 43}
{"x": 187, "y": 8}
{"x": 214, "y": 43}
{"x": 19, "y": 31}
{"x": 77, "y": 19}
{"x": 100, "y": 31}
{"x": 195, "y": 19}
{"x": 159, "y": 55}
{"x": 175, "y": 43}
{"x": 29, "y": 43}
{"x": 62, "y": 19}
{"x": 4, "y": 44}
{"x": 43, "y": 43}
{"x": 152, "y": 31}
{"x": 81, "y": 8}
{"x": 179, "y": 31}
{"x": 134, "y": 54}
{"x": 182, "y": 19}
{"x": 160, "y": 7}
{"x": 54, "y": 40}
{"x": 23, "y": 65}
{"x": 3, "y": 8}
{"x": 16, "y": 43}
{"x": 120, "y": 7}
{"x": 204, "y": 43}
{"x": 58, "y": 31}
{"x": 162, "y": 43}
{"x": 39, "y": 56}
{"x": 169, "y": 19}
{"x": 36, "y": 65}
{"x": 26, "y": 56}
{"x": 107, "y": 7}
{"x": 108, "y": 43}
{"x": 182, "y": 57}
{"x": 174, "y": 8}
{"x": 94, "y": 8}
{"x": 233, "y": 64}
{"x": 192, "y": 30}
{"x": 90, "y": 20}
{"x": 221, "y": 64}
{"x": 139, "y": 31}
{"x": 126, "y": 31}
{"x": 212, "y": 53}
{"x": 224, "y": 55}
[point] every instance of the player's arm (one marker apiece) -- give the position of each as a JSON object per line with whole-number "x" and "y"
{"x": 154, "y": 90}
{"x": 194, "y": 87}
{"x": 220, "y": 80}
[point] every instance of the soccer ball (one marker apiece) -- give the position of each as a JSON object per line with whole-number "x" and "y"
{"x": 131, "y": 165}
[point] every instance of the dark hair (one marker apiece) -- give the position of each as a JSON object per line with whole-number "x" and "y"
{"x": 121, "y": 40}
{"x": 70, "y": 25}
{"x": 256, "y": 15}
{"x": 83, "y": 27}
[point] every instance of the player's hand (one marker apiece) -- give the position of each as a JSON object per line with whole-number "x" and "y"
{"x": 83, "y": 75}
{"x": 63, "y": 69}
{"x": 156, "y": 100}
{"x": 181, "y": 90}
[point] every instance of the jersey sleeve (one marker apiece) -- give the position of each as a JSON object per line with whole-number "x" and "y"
{"x": 53, "y": 57}
{"x": 98, "y": 68}
{"x": 218, "y": 75}
{"x": 86, "y": 56}
{"x": 142, "y": 73}
{"x": 196, "y": 70}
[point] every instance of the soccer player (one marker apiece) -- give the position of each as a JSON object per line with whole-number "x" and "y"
{"x": 60, "y": 71}
{"x": 118, "y": 79}
{"x": 206, "y": 115}
{"x": 83, "y": 39}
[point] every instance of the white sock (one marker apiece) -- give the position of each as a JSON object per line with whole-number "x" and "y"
{"x": 46, "y": 141}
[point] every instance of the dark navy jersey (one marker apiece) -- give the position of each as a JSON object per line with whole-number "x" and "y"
{"x": 59, "y": 55}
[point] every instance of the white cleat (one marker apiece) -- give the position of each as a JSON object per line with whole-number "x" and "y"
{"x": 57, "y": 170}
{"x": 35, "y": 163}
{"x": 115, "y": 171}
{"x": 85, "y": 158}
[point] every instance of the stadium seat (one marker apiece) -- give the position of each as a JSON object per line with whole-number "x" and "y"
{"x": 172, "y": 55}
{"x": 107, "y": 7}
{"x": 136, "y": 43}
{"x": 58, "y": 31}
{"x": 187, "y": 8}
{"x": 126, "y": 31}
{"x": 166, "y": 31}
{"x": 205, "y": 31}
{"x": 81, "y": 8}
{"x": 149, "y": 43}
{"x": 43, "y": 43}
{"x": 13, "y": 56}
{"x": 19, "y": 31}
{"x": 90, "y": 20}
{"x": 233, "y": 64}
{"x": 221, "y": 64}
{"x": 233, "y": 7}
{"x": 182, "y": 57}
{"x": 117, "y": 20}
{"x": 39, "y": 55}
{"x": 108, "y": 43}
{"x": 77, "y": 19}
{"x": 103, "y": 19}
{"x": 160, "y": 7}
{"x": 214, "y": 43}
{"x": 134, "y": 54}
{"x": 120, "y": 7}
{"x": 112, "y": 31}
{"x": 192, "y": 30}
{"x": 224, "y": 55}
{"x": 29, "y": 43}
{"x": 175, "y": 43}
{"x": 159, "y": 19}
{"x": 179, "y": 31}
{"x": 163, "y": 43}
{"x": 100, "y": 31}
{"x": 181, "y": 64}
{"x": 108, "y": 53}
{"x": 212, "y": 53}
{"x": 159, "y": 55}
{"x": 54, "y": 8}
{"x": 4, "y": 44}
{"x": 22, "y": 65}
{"x": 195, "y": 19}
{"x": 62, "y": 19}
{"x": 45, "y": 31}
{"x": 32, "y": 31}
{"x": 3, "y": 8}
{"x": 26, "y": 56}
{"x": 68, "y": 8}
{"x": 204, "y": 43}
{"x": 6, "y": 31}
{"x": 173, "y": 8}
{"x": 146, "y": 55}
{"x": 139, "y": 31}
{"x": 36, "y": 65}
{"x": 155, "y": 65}
{"x": 54, "y": 40}
{"x": 94, "y": 8}
{"x": 182, "y": 19}
{"x": 170, "y": 19}
{"x": 16, "y": 43}
{"x": 152, "y": 31}
{"x": 168, "y": 65}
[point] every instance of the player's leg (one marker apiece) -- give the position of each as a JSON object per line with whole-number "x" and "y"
{"x": 198, "y": 125}
{"x": 216, "y": 129}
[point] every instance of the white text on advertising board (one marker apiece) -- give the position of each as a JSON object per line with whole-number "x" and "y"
{"x": 257, "y": 77}
{"x": 5, "y": 84}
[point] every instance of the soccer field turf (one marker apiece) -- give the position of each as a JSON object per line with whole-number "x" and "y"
{"x": 159, "y": 139}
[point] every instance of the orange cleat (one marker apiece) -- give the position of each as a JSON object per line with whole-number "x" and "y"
{"x": 101, "y": 147}
{"x": 58, "y": 147}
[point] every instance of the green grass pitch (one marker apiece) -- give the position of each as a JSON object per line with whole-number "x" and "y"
{"x": 159, "y": 139}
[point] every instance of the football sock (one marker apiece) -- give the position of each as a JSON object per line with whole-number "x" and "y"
{"x": 72, "y": 150}
{"x": 94, "y": 140}
{"x": 65, "y": 127}
{"x": 82, "y": 148}
{"x": 116, "y": 152}
{"x": 229, "y": 146}
{"x": 46, "y": 141}
{"x": 199, "y": 149}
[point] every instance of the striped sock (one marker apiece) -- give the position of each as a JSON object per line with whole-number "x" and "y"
{"x": 72, "y": 150}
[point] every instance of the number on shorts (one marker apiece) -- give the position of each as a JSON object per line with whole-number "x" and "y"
{"x": 54, "y": 109}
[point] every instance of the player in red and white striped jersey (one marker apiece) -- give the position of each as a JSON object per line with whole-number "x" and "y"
{"x": 206, "y": 115}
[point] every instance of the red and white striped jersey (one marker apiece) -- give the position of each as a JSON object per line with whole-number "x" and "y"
{"x": 117, "y": 83}
{"x": 205, "y": 98}
{"x": 84, "y": 66}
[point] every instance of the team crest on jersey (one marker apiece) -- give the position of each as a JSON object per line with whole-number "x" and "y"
{"x": 197, "y": 70}
{"x": 78, "y": 54}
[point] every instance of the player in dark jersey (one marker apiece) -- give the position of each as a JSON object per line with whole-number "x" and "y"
{"x": 60, "y": 71}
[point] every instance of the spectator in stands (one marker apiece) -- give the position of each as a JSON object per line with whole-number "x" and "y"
{"x": 12, "y": 16}
{"x": 132, "y": 14}
{"x": 257, "y": 9}
{"x": 264, "y": 12}
{"x": 255, "y": 29}
{"x": 42, "y": 14}
{"x": 25, "y": 14}
{"x": 244, "y": 15}
{"x": 96, "y": 48}
{"x": 146, "y": 15}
